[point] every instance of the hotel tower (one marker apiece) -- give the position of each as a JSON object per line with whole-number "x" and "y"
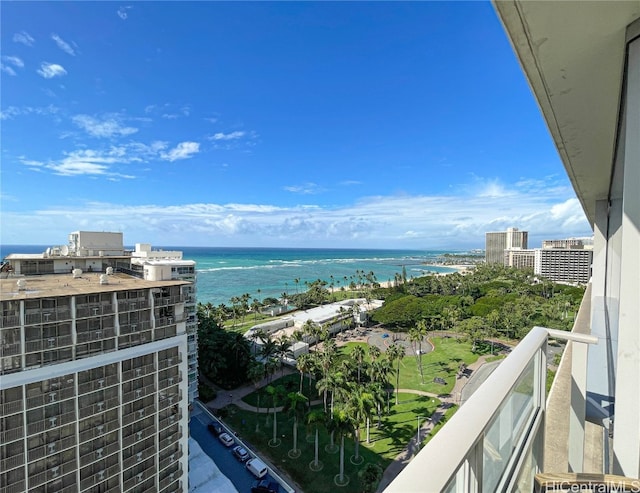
{"x": 94, "y": 368}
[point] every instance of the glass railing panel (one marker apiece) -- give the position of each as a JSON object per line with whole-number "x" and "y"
{"x": 505, "y": 432}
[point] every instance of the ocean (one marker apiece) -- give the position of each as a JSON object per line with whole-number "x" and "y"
{"x": 227, "y": 272}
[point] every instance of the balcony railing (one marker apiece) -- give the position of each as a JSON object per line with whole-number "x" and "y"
{"x": 494, "y": 443}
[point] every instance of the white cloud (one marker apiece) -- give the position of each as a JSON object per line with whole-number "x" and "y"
{"x": 50, "y": 70}
{"x": 108, "y": 126}
{"x": 457, "y": 220}
{"x": 14, "y": 60}
{"x": 24, "y": 38}
{"x": 122, "y": 11}
{"x": 113, "y": 162}
{"x": 81, "y": 162}
{"x": 8, "y": 70}
{"x": 13, "y": 111}
{"x": 63, "y": 45}
{"x": 304, "y": 189}
{"x": 183, "y": 150}
{"x": 230, "y": 136}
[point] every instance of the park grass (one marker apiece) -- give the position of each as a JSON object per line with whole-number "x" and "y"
{"x": 444, "y": 362}
{"x": 400, "y": 426}
{"x": 298, "y": 469}
{"x": 396, "y": 431}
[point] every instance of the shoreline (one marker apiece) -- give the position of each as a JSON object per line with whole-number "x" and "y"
{"x": 459, "y": 268}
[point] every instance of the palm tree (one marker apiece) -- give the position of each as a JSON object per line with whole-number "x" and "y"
{"x": 314, "y": 419}
{"x": 378, "y": 392}
{"x": 234, "y": 300}
{"x": 283, "y": 344}
{"x": 303, "y": 364}
{"x": 256, "y": 374}
{"x": 344, "y": 426}
{"x": 358, "y": 355}
{"x": 255, "y": 307}
{"x": 294, "y": 406}
{"x": 396, "y": 353}
{"x": 269, "y": 347}
{"x": 359, "y": 407}
{"x": 275, "y": 392}
{"x": 415, "y": 336}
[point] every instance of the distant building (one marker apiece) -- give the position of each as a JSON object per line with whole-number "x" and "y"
{"x": 497, "y": 242}
{"x": 571, "y": 263}
{"x": 520, "y": 259}
{"x": 567, "y": 260}
{"x": 93, "y": 366}
{"x": 577, "y": 243}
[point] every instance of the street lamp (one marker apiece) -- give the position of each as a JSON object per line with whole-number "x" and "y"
{"x": 419, "y": 418}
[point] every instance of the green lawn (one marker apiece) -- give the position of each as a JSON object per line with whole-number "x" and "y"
{"x": 386, "y": 442}
{"x": 444, "y": 362}
{"x": 395, "y": 432}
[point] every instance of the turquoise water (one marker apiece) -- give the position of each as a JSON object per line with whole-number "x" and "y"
{"x": 227, "y": 272}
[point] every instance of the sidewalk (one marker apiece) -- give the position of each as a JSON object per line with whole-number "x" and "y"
{"x": 226, "y": 397}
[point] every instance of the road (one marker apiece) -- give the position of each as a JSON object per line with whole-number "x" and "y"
{"x": 231, "y": 467}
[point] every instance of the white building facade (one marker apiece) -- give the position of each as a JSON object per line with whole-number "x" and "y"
{"x": 93, "y": 377}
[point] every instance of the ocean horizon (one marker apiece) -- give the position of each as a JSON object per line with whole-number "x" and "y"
{"x": 225, "y": 272}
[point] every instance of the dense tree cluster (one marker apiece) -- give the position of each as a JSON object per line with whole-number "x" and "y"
{"x": 223, "y": 356}
{"x": 491, "y": 301}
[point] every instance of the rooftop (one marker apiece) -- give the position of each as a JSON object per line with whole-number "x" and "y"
{"x": 68, "y": 285}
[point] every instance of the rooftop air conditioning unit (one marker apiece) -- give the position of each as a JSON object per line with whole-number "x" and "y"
{"x": 104, "y": 279}
{"x": 109, "y": 271}
{"x": 22, "y": 285}
{"x": 77, "y": 273}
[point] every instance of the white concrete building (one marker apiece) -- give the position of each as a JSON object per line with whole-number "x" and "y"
{"x": 93, "y": 374}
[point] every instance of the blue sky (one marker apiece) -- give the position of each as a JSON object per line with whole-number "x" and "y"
{"x": 300, "y": 124}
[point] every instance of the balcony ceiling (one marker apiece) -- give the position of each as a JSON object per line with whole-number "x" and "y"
{"x": 573, "y": 54}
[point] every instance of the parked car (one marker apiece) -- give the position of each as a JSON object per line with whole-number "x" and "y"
{"x": 257, "y": 467}
{"x": 265, "y": 486}
{"x": 226, "y": 439}
{"x": 215, "y": 428}
{"x": 241, "y": 453}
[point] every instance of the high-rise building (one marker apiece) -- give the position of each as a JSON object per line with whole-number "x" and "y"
{"x": 559, "y": 260}
{"x": 564, "y": 264}
{"x": 93, "y": 371}
{"x": 497, "y": 242}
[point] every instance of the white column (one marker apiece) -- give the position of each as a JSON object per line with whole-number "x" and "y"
{"x": 626, "y": 442}
{"x": 578, "y": 405}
